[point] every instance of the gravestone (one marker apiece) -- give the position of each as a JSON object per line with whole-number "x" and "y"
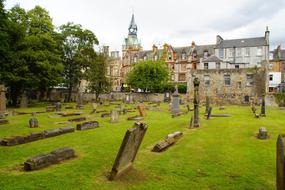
{"x": 70, "y": 114}
{"x": 57, "y": 106}
{"x": 280, "y": 162}
{"x": 263, "y": 106}
{"x": 129, "y": 98}
{"x": 175, "y": 102}
{"x": 167, "y": 142}
{"x": 45, "y": 160}
{"x": 207, "y": 104}
{"x": 79, "y": 119}
{"x": 135, "y": 118}
{"x": 167, "y": 97}
{"x": 2, "y": 100}
{"x": 3, "y": 121}
{"x": 114, "y": 116}
{"x": 141, "y": 109}
{"x": 80, "y": 101}
{"x": 196, "y": 83}
{"x": 209, "y": 113}
{"x": 33, "y": 122}
{"x": 262, "y": 133}
{"x": 24, "y": 101}
{"x": 87, "y": 125}
{"x": 94, "y": 107}
{"x": 128, "y": 150}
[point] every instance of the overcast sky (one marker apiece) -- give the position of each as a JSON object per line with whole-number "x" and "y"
{"x": 176, "y": 22}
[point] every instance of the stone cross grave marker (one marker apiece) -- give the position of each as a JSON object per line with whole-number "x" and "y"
{"x": 141, "y": 109}
{"x": 128, "y": 150}
{"x": 175, "y": 102}
{"x": 114, "y": 116}
{"x": 280, "y": 163}
{"x": 2, "y": 100}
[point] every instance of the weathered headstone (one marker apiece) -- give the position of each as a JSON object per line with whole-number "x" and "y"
{"x": 79, "y": 119}
{"x": 167, "y": 142}
{"x": 45, "y": 160}
{"x": 58, "y": 106}
{"x": 94, "y": 107}
{"x": 129, "y": 98}
{"x": 135, "y": 118}
{"x": 3, "y": 121}
{"x": 280, "y": 162}
{"x": 87, "y": 125}
{"x": 114, "y": 116}
{"x": 33, "y": 122}
{"x": 128, "y": 150}
{"x": 2, "y": 100}
{"x": 175, "y": 102}
{"x": 262, "y": 133}
{"x": 263, "y": 106}
{"x": 24, "y": 101}
{"x": 167, "y": 97}
{"x": 141, "y": 109}
{"x": 80, "y": 101}
{"x": 196, "y": 83}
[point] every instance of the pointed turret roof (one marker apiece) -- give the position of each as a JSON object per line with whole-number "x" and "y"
{"x": 133, "y": 26}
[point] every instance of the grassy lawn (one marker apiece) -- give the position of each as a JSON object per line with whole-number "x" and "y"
{"x": 222, "y": 154}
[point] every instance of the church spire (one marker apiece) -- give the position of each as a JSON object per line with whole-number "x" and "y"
{"x": 133, "y": 26}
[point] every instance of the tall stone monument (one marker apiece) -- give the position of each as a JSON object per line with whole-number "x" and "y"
{"x": 2, "y": 100}
{"x": 263, "y": 106}
{"x": 175, "y": 102}
{"x": 196, "y": 83}
{"x": 80, "y": 101}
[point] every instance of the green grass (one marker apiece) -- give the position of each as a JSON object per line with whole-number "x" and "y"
{"x": 222, "y": 154}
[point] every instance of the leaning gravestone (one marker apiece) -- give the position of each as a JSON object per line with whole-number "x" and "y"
{"x": 141, "y": 109}
{"x": 45, "y": 160}
{"x": 2, "y": 100}
{"x": 175, "y": 102}
{"x": 128, "y": 150}
{"x": 33, "y": 122}
{"x": 167, "y": 142}
{"x": 280, "y": 162}
{"x": 114, "y": 116}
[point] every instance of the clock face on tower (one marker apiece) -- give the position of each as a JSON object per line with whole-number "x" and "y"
{"x": 132, "y": 30}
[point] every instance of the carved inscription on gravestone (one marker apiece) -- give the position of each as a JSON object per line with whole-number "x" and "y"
{"x": 128, "y": 150}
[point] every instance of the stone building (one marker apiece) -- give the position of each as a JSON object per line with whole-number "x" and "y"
{"x": 276, "y": 70}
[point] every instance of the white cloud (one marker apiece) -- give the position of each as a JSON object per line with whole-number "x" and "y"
{"x": 167, "y": 21}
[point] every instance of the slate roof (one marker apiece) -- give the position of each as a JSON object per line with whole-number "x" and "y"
{"x": 212, "y": 58}
{"x": 245, "y": 42}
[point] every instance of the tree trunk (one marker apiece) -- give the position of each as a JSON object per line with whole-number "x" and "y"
{"x": 15, "y": 91}
{"x": 69, "y": 92}
{"x": 42, "y": 93}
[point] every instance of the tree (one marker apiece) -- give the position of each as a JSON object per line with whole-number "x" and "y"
{"x": 148, "y": 75}
{"x": 96, "y": 75}
{"x": 78, "y": 48}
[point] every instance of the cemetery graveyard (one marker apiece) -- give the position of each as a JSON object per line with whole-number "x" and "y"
{"x": 221, "y": 153}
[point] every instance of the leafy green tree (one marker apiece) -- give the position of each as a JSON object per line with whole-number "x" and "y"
{"x": 96, "y": 75}
{"x": 78, "y": 49}
{"x": 148, "y": 75}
